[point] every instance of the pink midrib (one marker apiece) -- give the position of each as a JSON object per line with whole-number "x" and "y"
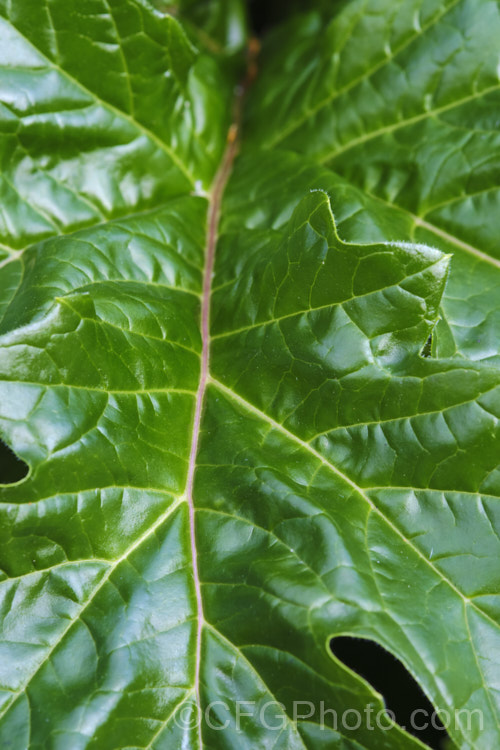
{"x": 211, "y": 243}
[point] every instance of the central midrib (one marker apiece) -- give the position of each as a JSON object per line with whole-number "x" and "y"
{"x": 213, "y": 216}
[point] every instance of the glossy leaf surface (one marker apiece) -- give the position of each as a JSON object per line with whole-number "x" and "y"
{"x": 413, "y": 122}
{"x": 212, "y": 363}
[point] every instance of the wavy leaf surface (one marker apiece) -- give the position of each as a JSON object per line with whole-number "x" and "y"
{"x": 212, "y": 363}
{"x": 402, "y": 100}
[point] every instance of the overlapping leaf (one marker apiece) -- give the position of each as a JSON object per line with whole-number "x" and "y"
{"x": 172, "y": 582}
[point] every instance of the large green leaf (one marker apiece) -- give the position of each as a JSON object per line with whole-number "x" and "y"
{"x": 213, "y": 368}
{"x": 402, "y": 98}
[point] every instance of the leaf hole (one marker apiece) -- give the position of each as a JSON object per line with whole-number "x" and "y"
{"x": 12, "y": 468}
{"x": 402, "y": 694}
{"x": 427, "y": 348}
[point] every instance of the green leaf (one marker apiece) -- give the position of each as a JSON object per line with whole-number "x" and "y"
{"x": 218, "y": 25}
{"x": 213, "y": 364}
{"x": 89, "y": 99}
{"x": 412, "y": 121}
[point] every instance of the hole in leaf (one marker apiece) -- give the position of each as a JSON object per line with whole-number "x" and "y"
{"x": 427, "y": 348}
{"x": 12, "y": 468}
{"x": 402, "y": 694}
